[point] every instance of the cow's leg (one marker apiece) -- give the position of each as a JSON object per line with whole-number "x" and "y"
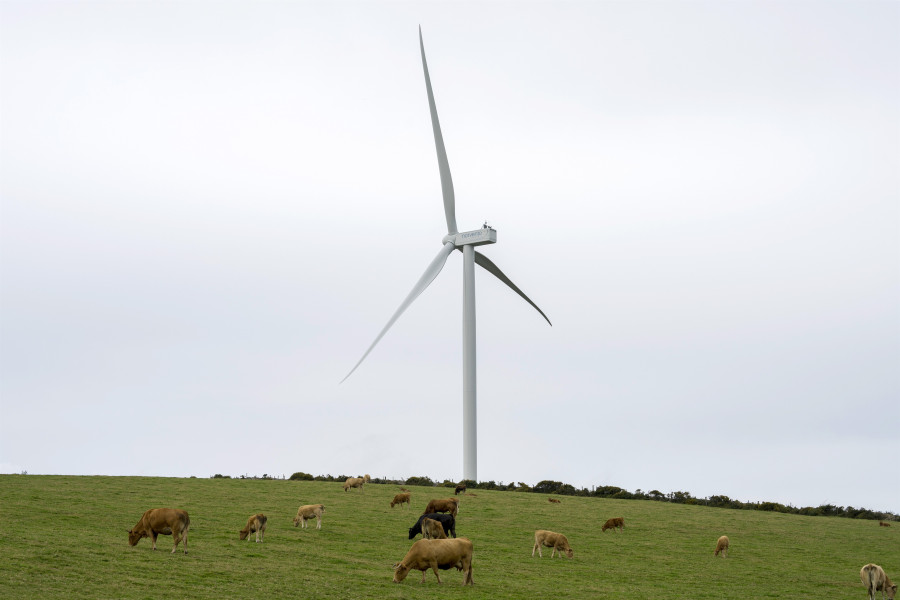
{"x": 184, "y": 534}
{"x": 175, "y": 538}
{"x": 434, "y": 567}
{"x": 318, "y": 522}
{"x": 553, "y": 552}
{"x": 153, "y": 536}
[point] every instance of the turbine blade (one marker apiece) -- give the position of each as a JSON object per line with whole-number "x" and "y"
{"x": 490, "y": 267}
{"x": 430, "y": 273}
{"x": 443, "y": 163}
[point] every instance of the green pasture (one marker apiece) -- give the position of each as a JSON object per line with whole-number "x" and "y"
{"x": 66, "y": 537}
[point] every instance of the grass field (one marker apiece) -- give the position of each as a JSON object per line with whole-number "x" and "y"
{"x": 66, "y": 537}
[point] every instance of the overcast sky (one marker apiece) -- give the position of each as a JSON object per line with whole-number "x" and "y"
{"x": 210, "y": 209}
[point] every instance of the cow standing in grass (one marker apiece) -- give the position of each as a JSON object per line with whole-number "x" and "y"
{"x": 354, "y": 482}
{"x": 876, "y": 580}
{"x": 447, "y": 505}
{"x": 401, "y": 499}
{"x": 307, "y": 512}
{"x": 437, "y": 554}
{"x": 551, "y": 539}
{"x": 448, "y": 522}
{"x": 255, "y": 524}
{"x": 166, "y": 521}
{"x": 616, "y": 523}
{"x": 722, "y": 546}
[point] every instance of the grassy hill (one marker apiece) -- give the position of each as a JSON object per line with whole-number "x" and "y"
{"x": 65, "y": 537}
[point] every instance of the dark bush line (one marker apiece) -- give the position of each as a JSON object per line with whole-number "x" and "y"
{"x": 610, "y": 491}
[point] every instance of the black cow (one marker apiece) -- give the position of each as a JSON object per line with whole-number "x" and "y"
{"x": 460, "y": 488}
{"x": 448, "y": 522}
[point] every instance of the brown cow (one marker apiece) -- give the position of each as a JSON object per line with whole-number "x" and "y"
{"x": 722, "y": 546}
{"x": 437, "y": 554}
{"x": 400, "y": 499}
{"x": 255, "y": 524}
{"x": 450, "y": 505}
{"x": 433, "y": 530}
{"x": 166, "y": 521}
{"x": 308, "y": 511}
{"x": 557, "y": 541}
{"x": 883, "y": 524}
{"x": 553, "y": 500}
{"x": 876, "y": 580}
{"x": 616, "y": 523}
{"x": 459, "y": 488}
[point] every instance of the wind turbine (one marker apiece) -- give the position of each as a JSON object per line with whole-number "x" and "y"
{"x": 465, "y": 242}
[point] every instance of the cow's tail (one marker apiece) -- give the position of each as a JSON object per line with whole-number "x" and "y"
{"x": 871, "y": 585}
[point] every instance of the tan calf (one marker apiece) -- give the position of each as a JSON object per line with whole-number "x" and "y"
{"x": 307, "y": 512}
{"x": 255, "y": 524}
{"x": 722, "y": 546}
{"x": 433, "y": 530}
{"x": 551, "y": 539}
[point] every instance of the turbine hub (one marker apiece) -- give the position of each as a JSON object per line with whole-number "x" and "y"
{"x": 478, "y": 237}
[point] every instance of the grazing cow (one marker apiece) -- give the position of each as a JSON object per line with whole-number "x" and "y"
{"x": 450, "y": 505}
{"x": 403, "y": 489}
{"x": 557, "y": 541}
{"x": 433, "y": 530}
{"x": 167, "y": 521}
{"x": 460, "y": 487}
{"x": 400, "y": 499}
{"x": 616, "y": 523}
{"x": 722, "y": 546}
{"x": 308, "y": 511}
{"x": 366, "y": 478}
{"x": 437, "y": 554}
{"x": 354, "y": 482}
{"x": 257, "y": 524}
{"x": 876, "y": 580}
{"x": 883, "y": 524}
{"x": 553, "y": 500}
{"x": 448, "y": 522}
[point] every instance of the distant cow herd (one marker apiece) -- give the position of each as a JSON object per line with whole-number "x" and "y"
{"x": 439, "y": 547}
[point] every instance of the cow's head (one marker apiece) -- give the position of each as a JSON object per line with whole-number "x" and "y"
{"x": 569, "y": 552}
{"x": 244, "y": 533}
{"x": 400, "y": 572}
{"x": 890, "y": 590}
{"x": 135, "y": 537}
{"x": 412, "y": 532}
{"x": 296, "y": 521}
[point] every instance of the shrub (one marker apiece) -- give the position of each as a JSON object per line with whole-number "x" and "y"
{"x": 547, "y": 487}
{"x": 426, "y": 481}
{"x": 301, "y": 476}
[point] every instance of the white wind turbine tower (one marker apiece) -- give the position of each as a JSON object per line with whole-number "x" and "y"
{"x": 466, "y": 242}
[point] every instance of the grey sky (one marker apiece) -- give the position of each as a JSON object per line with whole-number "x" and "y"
{"x": 210, "y": 209}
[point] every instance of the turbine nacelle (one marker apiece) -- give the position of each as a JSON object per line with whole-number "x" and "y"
{"x": 478, "y": 237}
